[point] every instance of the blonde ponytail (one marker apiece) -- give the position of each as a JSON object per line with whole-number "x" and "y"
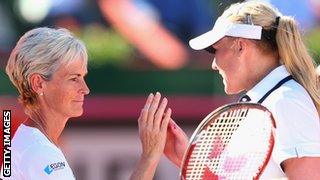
{"x": 289, "y": 45}
{"x": 294, "y": 55}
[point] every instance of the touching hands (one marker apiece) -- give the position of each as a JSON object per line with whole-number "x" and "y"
{"x": 176, "y": 143}
{"x": 158, "y": 134}
{"x": 153, "y": 123}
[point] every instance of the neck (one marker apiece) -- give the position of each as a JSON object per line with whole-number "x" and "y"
{"x": 49, "y": 124}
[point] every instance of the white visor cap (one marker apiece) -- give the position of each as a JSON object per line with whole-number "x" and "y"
{"x": 224, "y": 27}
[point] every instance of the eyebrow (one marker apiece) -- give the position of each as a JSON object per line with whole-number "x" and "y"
{"x": 77, "y": 74}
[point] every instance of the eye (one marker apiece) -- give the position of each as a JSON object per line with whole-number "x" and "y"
{"x": 211, "y": 50}
{"x": 74, "y": 79}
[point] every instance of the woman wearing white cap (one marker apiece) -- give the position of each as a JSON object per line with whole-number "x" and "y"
{"x": 258, "y": 50}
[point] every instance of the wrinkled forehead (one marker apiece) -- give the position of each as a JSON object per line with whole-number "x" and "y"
{"x": 76, "y": 67}
{"x": 80, "y": 61}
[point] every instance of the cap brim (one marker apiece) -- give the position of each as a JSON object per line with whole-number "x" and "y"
{"x": 224, "y": 27}
{"x": 205, "y": 40}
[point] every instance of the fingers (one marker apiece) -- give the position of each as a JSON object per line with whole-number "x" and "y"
{"x": 159, "y": 114}
{"x": 175, "y": 129}
{"x": 153, "y": 124}
{"x": 153, "y": 113}
{"x": 165, "y": 121}
{"x": 148, "y": 102}
{"x": 153, "y": 108}
{"x": 144, "y": 112}
{"x": 172, "y": 125}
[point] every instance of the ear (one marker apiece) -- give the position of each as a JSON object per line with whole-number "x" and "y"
{"x": 37, "y": 83}
{"x": 245, "y": 47}
{"x": 241, "y": 44}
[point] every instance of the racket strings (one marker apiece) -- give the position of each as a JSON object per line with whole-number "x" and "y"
{"x": 212, "y": 143}
{"x": 210, "y": 153}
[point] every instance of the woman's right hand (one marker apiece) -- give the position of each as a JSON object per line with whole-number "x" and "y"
{"x": 153, "y": 124}
{"x": 176, "y": 143}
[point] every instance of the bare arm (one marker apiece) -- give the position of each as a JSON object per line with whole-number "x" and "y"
{"x": 145, "y": 169}
{"x": 302, "y": 168}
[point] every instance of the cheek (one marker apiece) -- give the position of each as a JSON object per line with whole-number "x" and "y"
{"x": 58, "y": 99}
{"x": 226, "y": 63}
{"x": 60, "y": 95}
{"x": 231, "y": 60}
{"x": 229, "y": 69}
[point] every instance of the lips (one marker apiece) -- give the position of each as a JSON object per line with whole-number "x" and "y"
{"x": 221, "y": 74}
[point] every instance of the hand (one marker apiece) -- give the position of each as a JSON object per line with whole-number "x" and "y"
{"x": 176, "y": 144}
{"x": 153, "y": 124}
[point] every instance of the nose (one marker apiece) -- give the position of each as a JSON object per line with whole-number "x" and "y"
{"x": 85, "y": 88}
{"x": 214, "y": 65}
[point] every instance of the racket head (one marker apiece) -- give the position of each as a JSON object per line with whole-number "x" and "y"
{"x": 227, "y": 145}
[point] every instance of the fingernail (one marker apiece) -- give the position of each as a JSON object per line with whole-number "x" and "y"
{"x": 157, "y": 93}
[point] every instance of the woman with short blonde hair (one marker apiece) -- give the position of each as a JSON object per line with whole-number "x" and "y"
{"x": 47, "y": 66}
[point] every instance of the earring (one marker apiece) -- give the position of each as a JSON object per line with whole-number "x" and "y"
{"x": 41, "y": 94}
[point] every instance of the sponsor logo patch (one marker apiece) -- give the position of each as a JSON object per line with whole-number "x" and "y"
{"x": 54, "y": 167}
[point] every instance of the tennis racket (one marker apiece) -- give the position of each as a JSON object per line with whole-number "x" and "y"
{"x": 233, "y": 142}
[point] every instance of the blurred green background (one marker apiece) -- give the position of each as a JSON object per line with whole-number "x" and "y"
{"x": 117, "y": 66}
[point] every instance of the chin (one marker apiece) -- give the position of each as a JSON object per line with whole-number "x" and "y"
{"x": 230, "y": 91}
{"x": 77, "y": 113}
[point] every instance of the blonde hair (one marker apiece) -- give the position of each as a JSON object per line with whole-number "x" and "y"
{"x": 288, "y": 45}
{"x": 42, "y": 51}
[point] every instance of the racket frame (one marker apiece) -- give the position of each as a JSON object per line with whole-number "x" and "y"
{"x": 213, "y": 115}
